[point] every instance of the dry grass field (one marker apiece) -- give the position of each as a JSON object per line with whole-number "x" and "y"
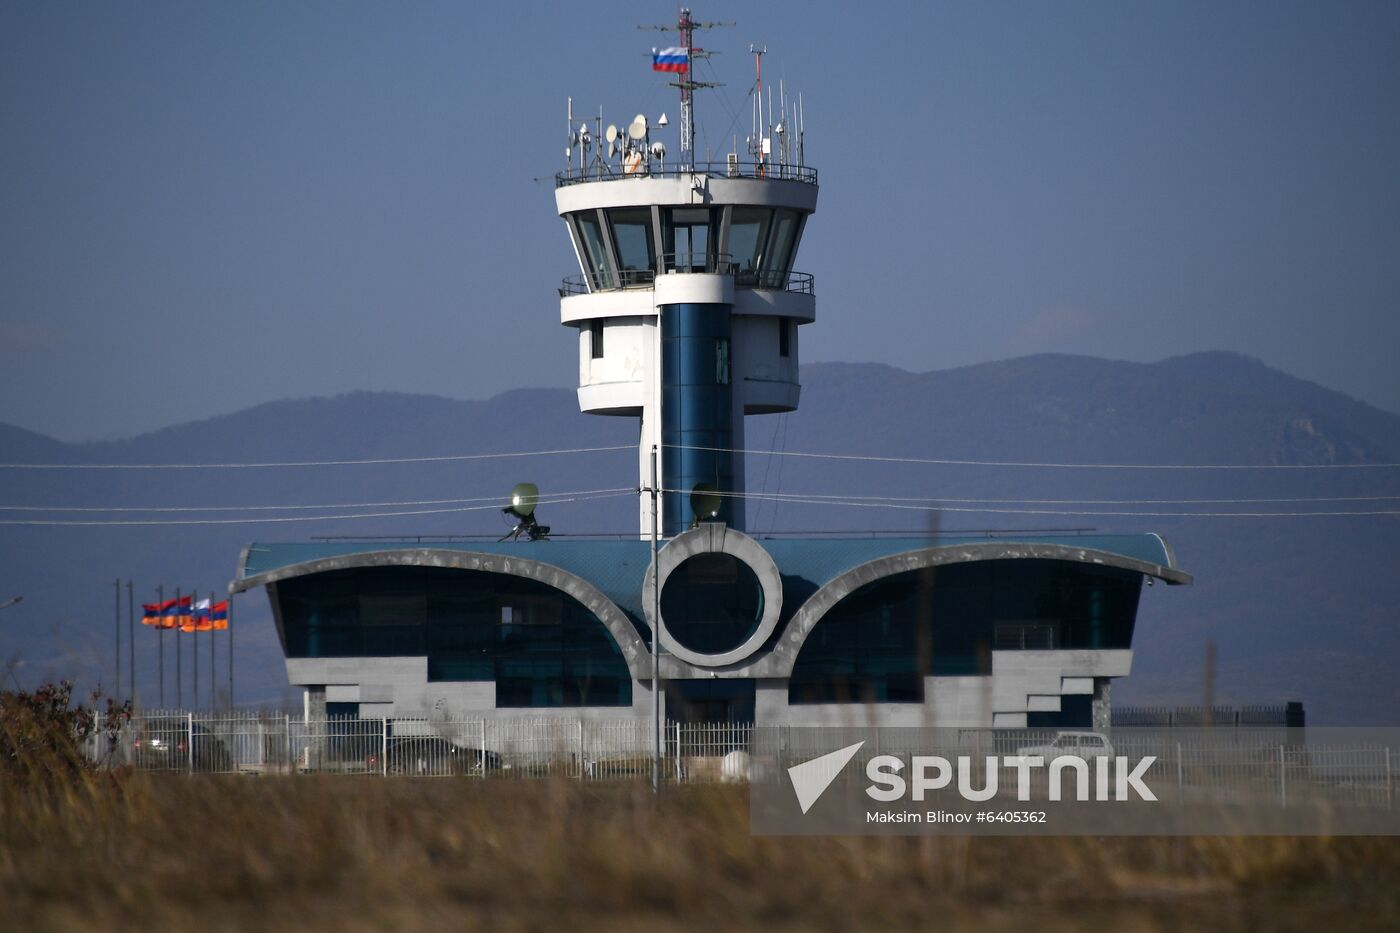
{"x": 175, "y": 852}
{"x": 85, "y": 849}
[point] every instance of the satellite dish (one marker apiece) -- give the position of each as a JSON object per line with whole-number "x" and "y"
{"x": 612, "y": 133}
{"x": 705, "y": 502}
{"x": 658, "y": 149}
{"x": 612, "y": 149}
{"x": 638, "y": 129}
{"x": 523, "y": 499}
{"x": 586, "y": 138}
{"x": 663, "y": 121}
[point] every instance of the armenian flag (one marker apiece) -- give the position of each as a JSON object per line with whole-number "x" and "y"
{"x": 674, "y": 59}
{"x": 218, "y": 616}
{"x": 154, "y": 613}
{"x": 174, "y": 612}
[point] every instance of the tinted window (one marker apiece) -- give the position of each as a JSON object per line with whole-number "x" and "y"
{"x": 880, "y": 641}
{"x": 540, "y": 646}
{"x": 595, "y": 253}
{"x": 636, "y": 252}
{"x": 712, "y": 603}
{"x": 748, "y": 236}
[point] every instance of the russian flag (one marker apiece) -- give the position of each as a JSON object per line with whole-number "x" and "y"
{"x": 199, "y": 617}
{"x": 674, "y": 59}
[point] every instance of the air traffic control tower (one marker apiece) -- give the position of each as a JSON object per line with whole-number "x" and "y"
{"x": 687, "y": 306}
{"x": 687, "y": 310}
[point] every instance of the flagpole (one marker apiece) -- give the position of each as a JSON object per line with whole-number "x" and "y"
{"x": 131, "y": 643}
{"x": 230, "y": 652}
{"x": 179, "y": 685}
{"x": 194, "y": 647}
{"x": 212, "y": 678}
{"x": 160, "y": 638}
{"x": 117, "y": 630}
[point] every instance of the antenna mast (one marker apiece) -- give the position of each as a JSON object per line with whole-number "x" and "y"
{"x": 685, "y": 80}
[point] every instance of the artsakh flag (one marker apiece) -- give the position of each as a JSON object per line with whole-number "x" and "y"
{"x": 218, "y": 616}
{"x": 674, "y": 59}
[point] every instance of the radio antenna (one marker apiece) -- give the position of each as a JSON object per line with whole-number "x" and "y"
{"x": 685, "y": 77}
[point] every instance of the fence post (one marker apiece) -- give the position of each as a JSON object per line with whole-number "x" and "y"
{"x": 680, "y": 772}
{"x": 1282, "y": 779}
{"x": 287, "y": 721}
{"x": 1390, "y": 785}
{"x": 580, "y": 748}
{"x": 1180, "y": 778}
{"x": 483, "y": 746}
{"x": 189, "y": 722}
{"x": 384, "y": 746}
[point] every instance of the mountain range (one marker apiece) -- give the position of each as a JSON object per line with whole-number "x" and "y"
{"x": 1299, "y": 605}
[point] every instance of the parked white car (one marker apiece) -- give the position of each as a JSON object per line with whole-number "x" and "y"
{"x": 1084, "y": 745}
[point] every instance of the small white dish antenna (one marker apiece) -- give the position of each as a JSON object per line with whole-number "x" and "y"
{"x": 638, "y": 129}
{"x": 612, "y": 133}
{"x": 658, "y": 149}
{"x": 612, "y": 148}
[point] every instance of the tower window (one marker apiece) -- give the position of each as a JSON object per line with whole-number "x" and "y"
{"x": 784, "y": 337}
{"x": 595, "y": 339}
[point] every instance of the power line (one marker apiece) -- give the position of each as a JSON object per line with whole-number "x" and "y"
{"x": 298, "y": 518}
{"x": 933, "y": 501}
{"x": 283, "y": 508}
{"x": 305, "y": 463}
{"x": 859, "y": 503}
{"x": 1058, "y": 466}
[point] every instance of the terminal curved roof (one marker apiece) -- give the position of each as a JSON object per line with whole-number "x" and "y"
{"x": 618, "y": 568}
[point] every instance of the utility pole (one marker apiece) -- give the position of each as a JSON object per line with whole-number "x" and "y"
{"x": 656, "y": 725}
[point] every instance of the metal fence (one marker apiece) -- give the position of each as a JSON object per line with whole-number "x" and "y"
{"x": 1200, "y": 764}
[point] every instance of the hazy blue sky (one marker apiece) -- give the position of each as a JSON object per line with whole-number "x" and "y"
{"x": 207, "y": 206}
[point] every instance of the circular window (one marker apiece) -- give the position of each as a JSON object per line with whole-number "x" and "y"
{"x": 712, "y": 603}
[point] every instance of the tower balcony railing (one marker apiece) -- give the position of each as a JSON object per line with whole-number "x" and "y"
{"x": 800, "y": 283}
{"x": 765, "y": 171}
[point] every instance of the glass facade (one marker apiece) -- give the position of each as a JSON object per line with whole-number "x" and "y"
{"x": 540, "y": 645}
{"x": 696, "y": 407}
{"x": 878, "y": 643}
{"x": 712, "y": 603}
{"x": 761, "y": 243}
{"x": 690, "y": 247}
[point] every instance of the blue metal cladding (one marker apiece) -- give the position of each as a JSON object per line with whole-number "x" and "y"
{"x": 696, "y": 408}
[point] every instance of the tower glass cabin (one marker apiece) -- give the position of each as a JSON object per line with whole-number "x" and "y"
{"x": 687, "y": 307}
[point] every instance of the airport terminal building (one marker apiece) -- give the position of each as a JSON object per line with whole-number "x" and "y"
{"x": 990, "y": 631}
{"x": 686, "y": 309}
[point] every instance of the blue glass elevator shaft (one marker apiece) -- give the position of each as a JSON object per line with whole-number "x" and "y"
{"x": 696, "y": 409}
